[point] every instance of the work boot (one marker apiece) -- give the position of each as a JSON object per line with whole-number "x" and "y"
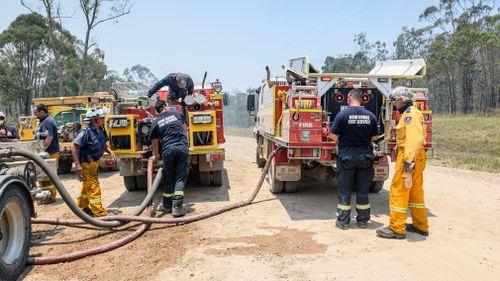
{"x": 88, "y": 211}
{"x": 387, "y": 232}
{"x": 177, "y": 209}
{"x": 167, "y": 205}
{"x": 411, "y": 228}
{"x": 362, "y": 224}
{"x": 342, "y": 225}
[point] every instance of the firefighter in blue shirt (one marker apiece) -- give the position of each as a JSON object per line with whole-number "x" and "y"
{"x": 7, "y": 133}
{"x": 168, "y": 130}
{"x": 88, "y": 147}
{"x": 354, "y": 128}
{"x": 179, "y": 85}
{"x": 47, "y": 132}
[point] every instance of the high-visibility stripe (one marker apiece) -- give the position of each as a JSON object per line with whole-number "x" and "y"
{"x": 416, "y": 205}
{"x": 343, "y": 207}
{"x": 178, "y": 193}
{"x": 83, "y": 196}
{"x": 363, "y": 207}
{"x": 168, "y": 195}
{"x": 97, "y": 200}
{"x": 398, "y": 209}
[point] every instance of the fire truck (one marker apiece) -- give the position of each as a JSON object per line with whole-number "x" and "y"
{"x": 68, "y": 112}
{"x": 292, "y": 111}
{"x": 128, "y": 134}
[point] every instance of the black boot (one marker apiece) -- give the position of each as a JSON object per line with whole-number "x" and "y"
{"x": 177, "y": 209}
{"x": 167, "y": 205}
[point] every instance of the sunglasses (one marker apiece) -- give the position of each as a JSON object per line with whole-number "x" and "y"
{"x": 2, "y": 118}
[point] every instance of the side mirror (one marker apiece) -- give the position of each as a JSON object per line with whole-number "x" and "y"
{"x": 225, "y": 99}
{"x": 250, "y": 103}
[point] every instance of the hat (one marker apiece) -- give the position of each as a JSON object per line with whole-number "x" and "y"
{"x": 2, "y": 114}
{"x": 96, "y": 113}
{"x": 181, "y": 80}
{"x": 402, "y": 93}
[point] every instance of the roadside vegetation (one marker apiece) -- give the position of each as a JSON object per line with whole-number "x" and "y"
{"x": 469, "y": 142}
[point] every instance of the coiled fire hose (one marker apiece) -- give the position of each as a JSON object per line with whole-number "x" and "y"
{"x": 113, "y": 221}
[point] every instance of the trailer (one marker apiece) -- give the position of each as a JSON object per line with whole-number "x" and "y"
{"x": 292, "y": 111}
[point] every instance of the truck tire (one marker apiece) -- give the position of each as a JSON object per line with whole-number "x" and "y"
{"x": 205, "y": 178}
{"x": 15, "y": 228}
{"x": 130, "y": 183}
{"x": 64, "y": 165}
{"x": 275, "y": 186}
{"x": 141, "y": 182}
{"x": 260, "y": 161}
{"x": 291, "y": 186}
{"x": 217, "y": 178}
{"x": 376, "y": 186}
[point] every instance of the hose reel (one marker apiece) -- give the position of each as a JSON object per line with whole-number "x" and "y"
{"x": 26, "y": 171}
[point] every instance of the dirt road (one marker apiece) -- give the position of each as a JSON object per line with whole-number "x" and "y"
{"x": 285, "y": 237}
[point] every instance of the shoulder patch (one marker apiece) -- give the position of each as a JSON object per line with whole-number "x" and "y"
{"x": 408, "y": 120}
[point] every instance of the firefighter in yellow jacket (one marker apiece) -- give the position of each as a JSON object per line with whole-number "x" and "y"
{"x": 410, "y": 162}
{"x": 88, "y": 147}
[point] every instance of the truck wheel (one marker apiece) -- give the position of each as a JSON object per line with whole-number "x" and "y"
{"x": 275, "y": 186}
{"x": 64, "y": 165}
{"x": 217, "y": 178}
{"x": 376, "y": 186}
{"x": 130, "y": 183}
{"x": 15, "y": 229}
{"x": 141, "y": 182}
{"x": 291, "y": 186}
{"x": 205, "y": 178}
{"x": 260, "y": 161}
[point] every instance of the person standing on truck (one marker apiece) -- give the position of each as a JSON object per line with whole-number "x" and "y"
{"x": 7, "y": 133}
{"x": 410, "y": 164}
{"x": 354, "y": 128}
{"x": 169, "y": 131}
{"x": 88, "y": 147}
{"x": 179, "y": 85}
{"x": 47, "y": 132}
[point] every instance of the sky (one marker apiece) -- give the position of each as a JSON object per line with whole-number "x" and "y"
{"x": 234, "y": 40}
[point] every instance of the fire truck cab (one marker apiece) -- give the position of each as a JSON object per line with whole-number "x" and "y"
{"x": 293, "y": 110}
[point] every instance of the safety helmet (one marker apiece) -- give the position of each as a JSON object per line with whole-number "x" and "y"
{"x": 2, "y": 114}
{"x": 402, "y": 93}
{"x": 181, "y": 80}
{"x": 97, "y": 112}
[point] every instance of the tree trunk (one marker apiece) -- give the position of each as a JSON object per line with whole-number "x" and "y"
{"x": 84, "y": 69}
{"x": 57, "y": 58}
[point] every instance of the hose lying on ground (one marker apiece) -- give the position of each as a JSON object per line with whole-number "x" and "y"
{"x": 107, "y": 223}
{"x": 104, "y": 248}
{"x": 122, "y": 219}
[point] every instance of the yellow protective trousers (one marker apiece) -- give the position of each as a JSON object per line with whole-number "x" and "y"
{"x": 48, "y": 185}
{"x": 90, "y": 194}
{"x": 401, "y": 198}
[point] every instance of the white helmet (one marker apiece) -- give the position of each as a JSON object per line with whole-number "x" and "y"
{"x": 96, "y": 113}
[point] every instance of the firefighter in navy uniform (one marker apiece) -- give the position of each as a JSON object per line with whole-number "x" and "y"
{"x": 354, "y": 128}
{"x": 7, "y": 133}
{"x": 411, "y": 160}
{"x": 179, "y": 85}
{"x": 47, "y": 132}
{"x": 168, "y": 130}
{"x": 88, "y": 147}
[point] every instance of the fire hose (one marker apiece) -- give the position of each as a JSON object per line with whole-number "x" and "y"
{"x": 114, "y": 221}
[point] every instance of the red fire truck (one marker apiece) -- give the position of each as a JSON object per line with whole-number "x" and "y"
{"x": 293, "y": 110}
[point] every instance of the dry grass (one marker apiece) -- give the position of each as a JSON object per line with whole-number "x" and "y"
{"x": 469, "y": 142}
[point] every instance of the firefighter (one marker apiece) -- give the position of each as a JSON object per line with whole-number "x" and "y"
{"x": 179, "y": 85}
{"x": 47, "y": 132}
{"x": 411, "y": 160}
{"x": 7, "y": 133}
{"x": 169, "y": 131}
{"x": 88, "y": 147}
{"x": 353, "y": 129}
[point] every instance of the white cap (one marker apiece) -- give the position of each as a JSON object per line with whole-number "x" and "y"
{"x": 2, "y": 114}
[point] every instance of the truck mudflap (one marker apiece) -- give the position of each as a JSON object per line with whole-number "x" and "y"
{"x": 381, "y": 169}
{"x": 288, "y": 172}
